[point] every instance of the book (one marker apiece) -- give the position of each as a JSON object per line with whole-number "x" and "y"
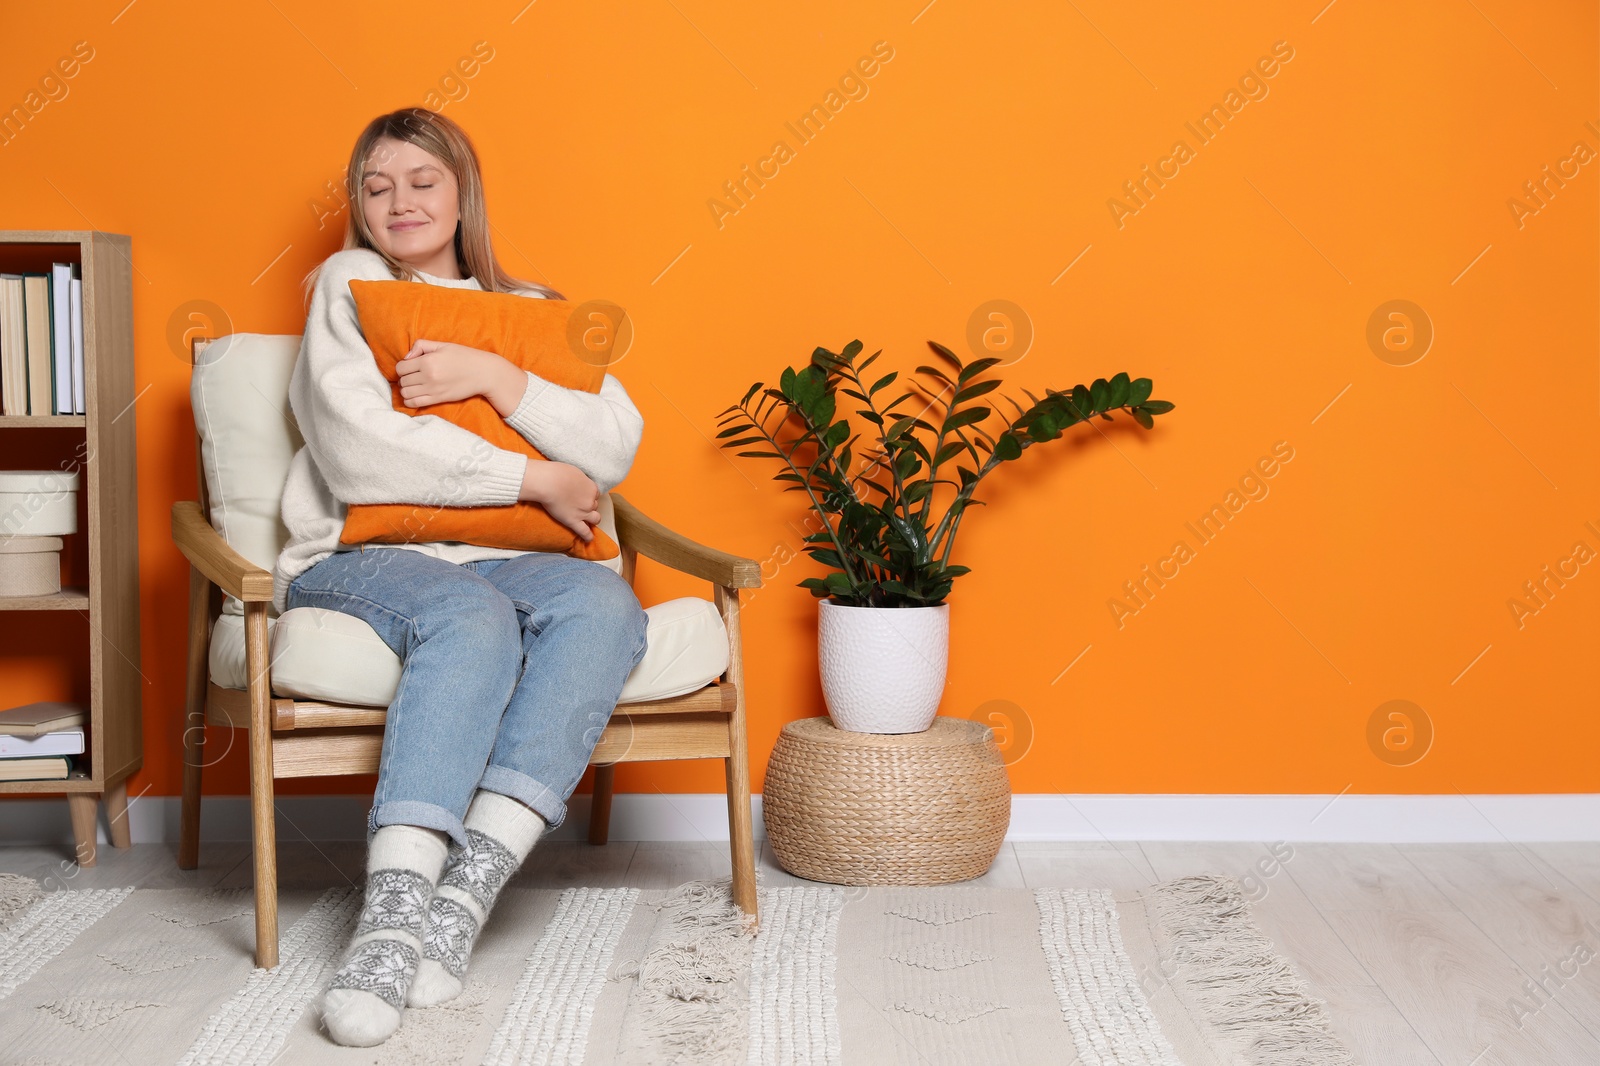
{"x": 46, "y": 768}
{"x": 58, "y": 742}
{"x": 36, "y": 292}
{"x": 61, "y": 336}
{"x": 32, "y": 719}
{"x": 75, "y": 289}
{"x": 13, "y": 347}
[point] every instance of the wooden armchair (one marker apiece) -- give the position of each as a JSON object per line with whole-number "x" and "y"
{"x": 301, "y": 737}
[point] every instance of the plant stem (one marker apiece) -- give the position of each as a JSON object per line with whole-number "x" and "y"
{"x": 844, "y": 558}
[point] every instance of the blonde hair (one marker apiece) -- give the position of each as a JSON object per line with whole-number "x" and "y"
{"x": 448, "y": 142}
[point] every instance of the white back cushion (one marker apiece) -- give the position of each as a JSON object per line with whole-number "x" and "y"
{"x": 240, "y": 396}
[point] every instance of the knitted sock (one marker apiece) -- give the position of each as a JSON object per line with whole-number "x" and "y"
{"x": 501, "y": 831}
{"x": 362, "y": 1004}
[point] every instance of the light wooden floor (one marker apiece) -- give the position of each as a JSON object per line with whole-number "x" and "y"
{"x": 1421, "y": 951}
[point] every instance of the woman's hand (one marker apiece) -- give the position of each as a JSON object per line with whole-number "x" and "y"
{"x": 568, "y": 494}
{"x": 440, "y": 372}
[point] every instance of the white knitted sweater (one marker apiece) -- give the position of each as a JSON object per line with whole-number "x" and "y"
{"x": 359, "y": 449}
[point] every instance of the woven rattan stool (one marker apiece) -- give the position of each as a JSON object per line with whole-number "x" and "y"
{"x": 922, "y": 808}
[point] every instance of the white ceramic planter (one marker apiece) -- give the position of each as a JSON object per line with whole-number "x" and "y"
{"x": 883, "y": 668}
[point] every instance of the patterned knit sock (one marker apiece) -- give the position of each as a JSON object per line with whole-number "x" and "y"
{"x": 501, "y": 831}
{"x": 362, "y": 1004}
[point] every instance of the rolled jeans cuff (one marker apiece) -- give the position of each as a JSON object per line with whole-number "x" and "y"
{"x": 545, "y": 801}
{"x": 416, "y": 812}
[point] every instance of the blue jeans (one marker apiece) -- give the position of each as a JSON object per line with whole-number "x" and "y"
{"x": 510, "y": 671}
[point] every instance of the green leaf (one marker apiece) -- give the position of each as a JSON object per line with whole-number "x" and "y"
{"x": 1118, "y": 391}
{"x": 935, "y": 372}
{"x": 760, "y": 455}
{"x": 1141, "y": 416}
{"x": 786, "y": 383}
{"x": 821, "y": 411}
{"x": 946, "y": 353}
{"x": 733, "y": 431}
{"x": 883, "y": 382}
{"x": 1099, "y": 393}
{"x": 1139, "y": 391}
{"x": 1007, "y": 448}
{"x": 1082, "y": 401}
{"x": 1158, "y": 407}
{"x": 948, "y": 452}
{"x": 976, "y": 367}
{"x": 971, "y": 391}
{"x": 852, "y": 350}
{"x": 966, "y": 418}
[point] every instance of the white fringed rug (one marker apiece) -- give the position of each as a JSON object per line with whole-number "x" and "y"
{"x": 1177, "y": 975}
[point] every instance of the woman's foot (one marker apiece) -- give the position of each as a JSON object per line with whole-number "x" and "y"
{"x": 363, "y": 1002}
{"x": 501, "y": 831}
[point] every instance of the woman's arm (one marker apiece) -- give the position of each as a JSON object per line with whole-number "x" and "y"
{"x": 366, "y": 451}
{"x": 598, "y": 433}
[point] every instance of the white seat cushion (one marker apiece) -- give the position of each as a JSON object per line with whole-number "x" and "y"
{"x": 319, "y": 654}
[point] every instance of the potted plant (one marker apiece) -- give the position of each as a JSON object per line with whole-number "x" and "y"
{"x": 883, "y": 624}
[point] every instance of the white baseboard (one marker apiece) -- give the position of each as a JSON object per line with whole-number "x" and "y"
{"x": 1034, "y": 817}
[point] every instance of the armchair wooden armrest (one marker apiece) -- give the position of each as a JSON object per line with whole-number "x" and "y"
{"x": 653, "y": 540}
{"x": 204, "y": 547}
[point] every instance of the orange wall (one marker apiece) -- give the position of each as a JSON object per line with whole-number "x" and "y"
{"x": 979, "y": 165}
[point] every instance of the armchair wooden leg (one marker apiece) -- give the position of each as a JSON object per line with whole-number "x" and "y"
{"x": 741, "y": 841}
{"x": 264, "y": 837}
{"x": 116, "y": 799}
{"x": 600, "y": 807}
{"x": 194, "y": 719}
{"x": 82, "y": 807}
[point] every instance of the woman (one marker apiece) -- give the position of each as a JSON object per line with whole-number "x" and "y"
{"x": 512, "y": 660}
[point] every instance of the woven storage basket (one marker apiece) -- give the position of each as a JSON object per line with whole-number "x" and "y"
{"x": 922, "y": 808}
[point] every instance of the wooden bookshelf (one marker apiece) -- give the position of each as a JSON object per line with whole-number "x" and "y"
{"x": 43, "y": 421}
{"x": 68, "y": 599}
{"x": 101, "y": 445}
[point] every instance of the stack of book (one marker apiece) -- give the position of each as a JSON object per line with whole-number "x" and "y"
{"x": 41, "y": 342}
{"x": 38, "y": 741}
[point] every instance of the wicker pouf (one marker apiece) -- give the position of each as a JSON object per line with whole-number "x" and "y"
{"x": 922, "y": 808}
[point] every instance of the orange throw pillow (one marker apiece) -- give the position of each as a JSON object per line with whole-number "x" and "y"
{"x": 530, "y": 333}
